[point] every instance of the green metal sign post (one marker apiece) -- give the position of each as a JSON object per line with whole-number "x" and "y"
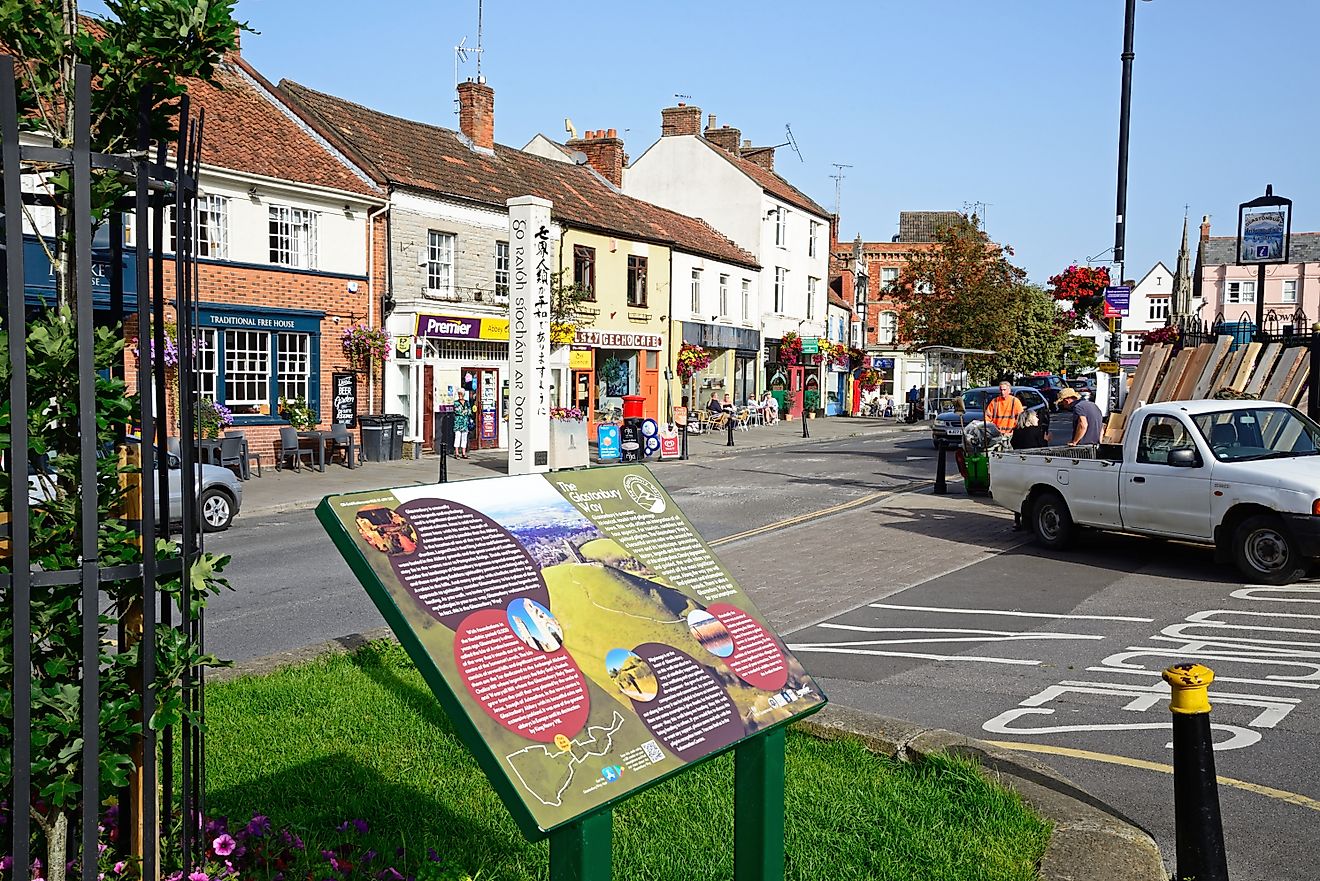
{"x": 581, "y": 851}
{"x": 758, "y": 808}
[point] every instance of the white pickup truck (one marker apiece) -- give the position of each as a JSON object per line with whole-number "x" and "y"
{"x": 1243, "y": 476}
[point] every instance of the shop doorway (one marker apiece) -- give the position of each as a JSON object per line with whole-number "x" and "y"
{"x": 649, "y": 384}
{"x": 584, "y": 392}
{"x": 428, "y": 407}
{"x": 483, "y": 386}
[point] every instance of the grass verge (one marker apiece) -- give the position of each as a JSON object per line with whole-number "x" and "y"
{"x": 360, "y": 735}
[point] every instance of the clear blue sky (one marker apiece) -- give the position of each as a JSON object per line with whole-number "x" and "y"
{"x": 935, "y": 103}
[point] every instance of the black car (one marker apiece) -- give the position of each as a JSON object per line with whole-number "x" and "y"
{"x": 947, "y": 429}
{"x": 1049, "y": 385}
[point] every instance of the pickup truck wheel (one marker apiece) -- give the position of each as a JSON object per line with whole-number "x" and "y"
{"x": 1265, "y": 553}
{"x": 1051, "y": 521}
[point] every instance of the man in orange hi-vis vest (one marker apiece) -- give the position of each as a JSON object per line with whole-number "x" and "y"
{"x": 1004, "y": 410}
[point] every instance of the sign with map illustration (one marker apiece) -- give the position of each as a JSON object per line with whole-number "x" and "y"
{"x": 582, "y": 636}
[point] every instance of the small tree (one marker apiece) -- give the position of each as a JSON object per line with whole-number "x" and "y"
{"x": 964, "y": 293}
{"x": 146, "y": 47}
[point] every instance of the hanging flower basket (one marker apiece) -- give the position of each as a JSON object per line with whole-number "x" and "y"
{"x": 692, "y": 359}
{"x": 790, "y": 349}
{"x": 362, "y": 344}
{"x": 212, "y": 418}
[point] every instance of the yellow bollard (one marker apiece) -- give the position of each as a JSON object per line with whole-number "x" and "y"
{"x": 1199, "y": 829}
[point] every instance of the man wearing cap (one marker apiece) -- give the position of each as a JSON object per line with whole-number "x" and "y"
{"x": 1089, "y": 418}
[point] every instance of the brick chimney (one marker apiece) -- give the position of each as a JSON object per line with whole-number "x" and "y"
{"x": 680, "y": 120}
{"x": 1205, "y": 227}
{"x": 762, "y": 156}
{"x": 725, "y": 137}
{"x": 476, "y": 112}
{"x": 604, "y": 149}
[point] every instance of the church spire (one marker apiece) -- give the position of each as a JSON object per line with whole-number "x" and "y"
{"x": 1182, "y": 278}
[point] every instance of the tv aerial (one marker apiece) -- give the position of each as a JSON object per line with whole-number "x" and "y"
{"x": 838, "y": 184}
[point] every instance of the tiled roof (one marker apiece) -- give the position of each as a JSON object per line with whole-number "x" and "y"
{"x": 837, "y": 299}
{"x": 437, "y": 160}
{"x": 1303, "y": 247}
{"x": 922, "y": 226}
{"x": 770, "y": 182}
{"x": 246, "y": 130}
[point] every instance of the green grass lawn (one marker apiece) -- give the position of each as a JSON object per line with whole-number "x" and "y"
{"x": 360, "y": 736}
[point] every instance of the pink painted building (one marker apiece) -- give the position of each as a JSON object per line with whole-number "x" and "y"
{"x": 1224, "y": 288}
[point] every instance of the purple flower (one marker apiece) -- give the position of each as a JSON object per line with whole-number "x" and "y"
{"x": 368, "y": 856}
{"x": 120, "y": 866}
{"x": 6, "y": 863}
{"x": 258, "y": 826}
{"x": 432, "y": 855}
{"x": 361, "y": 827}
{"x": 199, "y": 876}
{"x": 216, "y": 827}
{"x": 223, "y": 846}
{"x": 389, "y": 874}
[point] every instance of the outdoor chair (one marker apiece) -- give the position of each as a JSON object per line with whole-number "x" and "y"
{"x": 342, "y": 441}
{"x": 744, "y": 419}
{"x": 231, "y": 455}
{"x": 291, "y": 449}
{"x": 248, "y": 459}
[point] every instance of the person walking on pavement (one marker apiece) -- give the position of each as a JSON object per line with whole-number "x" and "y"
{"x": 462, "y": 423}
{"x": 1089, "y": 418}
{"x": 1004, "y": 410}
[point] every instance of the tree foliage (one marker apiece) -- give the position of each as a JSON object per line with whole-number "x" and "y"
{"x": 967, "y": 294}
{"x": 145, "y": 47}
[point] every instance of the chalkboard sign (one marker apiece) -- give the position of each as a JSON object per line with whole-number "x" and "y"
{"x": 344, "y": 411}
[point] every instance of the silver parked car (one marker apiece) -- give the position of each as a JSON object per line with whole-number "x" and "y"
{"x": 220, "y": 492}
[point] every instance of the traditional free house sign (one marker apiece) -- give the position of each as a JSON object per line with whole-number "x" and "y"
{"x": 583, "y": 637}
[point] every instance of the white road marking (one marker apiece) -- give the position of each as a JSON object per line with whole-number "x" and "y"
{"x": 1012, "y": 614}
{"x": 842, "y": 650}
{"x": 984, "y": 635}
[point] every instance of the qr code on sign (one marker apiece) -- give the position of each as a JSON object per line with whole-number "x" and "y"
{"x": 653, "y": 751}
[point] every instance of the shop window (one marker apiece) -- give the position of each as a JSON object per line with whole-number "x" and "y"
{"x": 206, "y": 363}
{"x": 295, "y": 365}
{"x": 637, "y": 281}
{"x": 584, "y": 271}
{"x": 247, "y": 370}
{"x": 292, "y": 237}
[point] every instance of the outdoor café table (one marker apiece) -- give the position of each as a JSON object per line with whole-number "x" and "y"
{"x": 321, "y": 438}
{"x": 208, "y": 450}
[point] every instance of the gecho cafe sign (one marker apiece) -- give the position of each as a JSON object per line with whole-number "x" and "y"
{"x": 529, "y": 335}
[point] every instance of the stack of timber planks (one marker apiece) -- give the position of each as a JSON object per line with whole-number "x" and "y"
{"x": 1269, "y": 372}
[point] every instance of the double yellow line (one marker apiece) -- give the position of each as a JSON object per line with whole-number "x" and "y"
{"x": 823, "y": 512}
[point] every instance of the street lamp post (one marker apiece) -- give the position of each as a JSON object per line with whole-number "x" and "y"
{"x": 1120, "y": 205}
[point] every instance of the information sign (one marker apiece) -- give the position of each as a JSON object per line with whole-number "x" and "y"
{"x": 1117, "y": 299}
{"x": 583, "y": 637}
{"x": 669, "y": 446}
{"x": 810, "y": 345}
{"x": 607, "y": 442}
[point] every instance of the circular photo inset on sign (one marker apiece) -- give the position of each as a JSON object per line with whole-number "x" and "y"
{"x": 713, "y": 635}
{"x": 645, "y": 494}
{"x": 387, "y": 531}
{"x": 631, "y": 675}
{"x": 533, "y": 624}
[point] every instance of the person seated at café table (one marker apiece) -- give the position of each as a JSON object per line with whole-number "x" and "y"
{"x": 714, "y": 407}
{"x": 771, "y": 404}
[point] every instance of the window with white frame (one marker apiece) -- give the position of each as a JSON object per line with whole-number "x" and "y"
{"x": 781, "y": 227}
{"x": 812, "y": 285}
{"x": 724, "y": 296}
{"x": 440, "y": 262}
{"x": 746, "y": 299}
{"x": 888, "y": 332}
{"x": 1290, "y": 290}
{"x": 502, "y": 269}
{"x": 1159, "y": 308}
{"x": 210, "y": 228}
{"x": 292, "y": 237}
{"x": 781, "y": 287}
{"x": 1132, "y": 343}
{"x": 696, "y": 291}
{"x": 1239, "y": 292}
{"x": 888, "y": 277}
{"x": 205, "y": 361}
{"x": 811, "y": 242}
{"x": 247, "y": 370}
{"x": 295, "y": 365}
